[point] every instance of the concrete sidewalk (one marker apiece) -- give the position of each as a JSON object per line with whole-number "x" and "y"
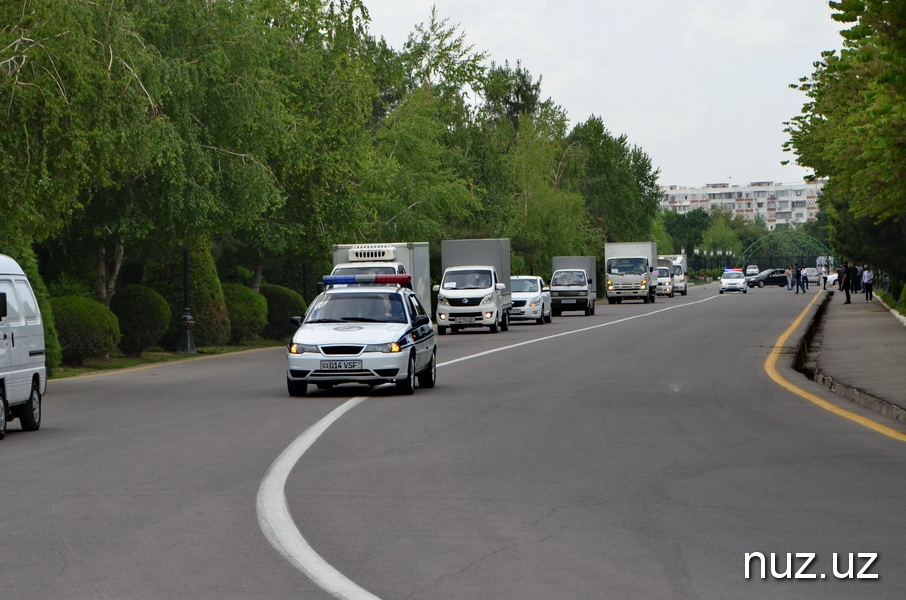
{"x": 862, "y": 354}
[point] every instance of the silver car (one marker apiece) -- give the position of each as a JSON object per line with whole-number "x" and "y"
{"x": 369, "y": 334}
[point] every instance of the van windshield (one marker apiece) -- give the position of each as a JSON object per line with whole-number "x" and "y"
{"x": 568, "y": 278}
{"x": 467, "y": 280}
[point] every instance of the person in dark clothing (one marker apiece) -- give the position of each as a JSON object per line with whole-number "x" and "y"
{"x": 797, "y": 277}
{"x": 845, "y": 282}
{"x": 841, "y": 277}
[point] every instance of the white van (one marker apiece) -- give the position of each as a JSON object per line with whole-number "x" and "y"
{"x": 23, "y": 375}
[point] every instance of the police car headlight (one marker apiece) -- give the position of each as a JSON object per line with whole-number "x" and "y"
{"x": 443, "y": 300}
{"x": 535, "y": 301}
{"x": 487, "y": 299}
{"x": 302, "y": 348}
{"x": 385, "y": 348}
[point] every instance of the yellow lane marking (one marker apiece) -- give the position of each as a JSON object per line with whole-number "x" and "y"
{"x": 175, "y": 362}
{"x": 770, "y": 367}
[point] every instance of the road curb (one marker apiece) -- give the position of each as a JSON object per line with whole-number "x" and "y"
{"x": 807, "y": 362}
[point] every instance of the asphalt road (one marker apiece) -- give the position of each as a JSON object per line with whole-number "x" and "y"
{"x": 641, "y": 454}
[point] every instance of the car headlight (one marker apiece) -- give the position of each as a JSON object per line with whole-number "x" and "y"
{"x": 443, "y": 300}
{"x": 385, "y": 348}
{"x": 487, "y": 299}
{"x": 295, "y": 348}
{"x": 535, "y": 301}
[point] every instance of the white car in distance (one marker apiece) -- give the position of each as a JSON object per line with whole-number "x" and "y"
{"x": 531, "y": 299}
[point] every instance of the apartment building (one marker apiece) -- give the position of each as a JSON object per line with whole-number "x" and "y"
{"x": 774, "y": 203}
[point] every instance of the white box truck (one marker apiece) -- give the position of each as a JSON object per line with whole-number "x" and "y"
{"x": 680, "y": 276}
{"x": 23, "y": 374}
{"x": 631, "y": 271}
{"x": 574, "y": 284}
{"x": 396, "y": 258}
{"x": 475, "y": 289}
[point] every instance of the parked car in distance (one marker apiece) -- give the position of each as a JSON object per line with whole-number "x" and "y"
{"x": 814, "y": 277}
{"x": 832, "y": 279}
{"x": 768, "y": 277}
{"x": 531, "y": 299}
{"x": 752, "y": 270}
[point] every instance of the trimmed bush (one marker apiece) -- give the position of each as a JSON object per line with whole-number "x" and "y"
{"x": 282, "y": 303}
{"x": 247, "y": 310}
{"x": 87, "y": 328}
{"x": 206, "y": 301}
{"x": 144, "y": 316}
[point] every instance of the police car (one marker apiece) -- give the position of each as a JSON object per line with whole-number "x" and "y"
{"x": 733, "y": 280}
{"x": 370, "y": 329}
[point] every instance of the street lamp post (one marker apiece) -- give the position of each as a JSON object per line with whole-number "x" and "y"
{"x": 187, "y": 321}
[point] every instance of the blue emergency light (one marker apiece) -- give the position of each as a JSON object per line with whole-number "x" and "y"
{"x": 354, "y": 279}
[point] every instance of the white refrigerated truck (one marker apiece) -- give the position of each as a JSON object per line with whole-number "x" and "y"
{"x": 387, "y": 259}
{"x": 574, "y": 284}
{"x": 475, "y": 290}
{"x": 631, "y": 271}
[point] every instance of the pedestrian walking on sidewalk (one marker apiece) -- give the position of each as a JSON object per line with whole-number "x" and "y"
{"x": 797, "y": 277}
{"x": 789, "y": 277}
{"x": 824, "y": 272}
{"x": 845, "y": 279}
{"x": 868, "y": 279}
{"x": 804, "y": 278}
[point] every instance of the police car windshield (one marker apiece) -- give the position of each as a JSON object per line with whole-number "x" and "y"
{"x": 358, "y": 308}
{"x": 524, "y": 285}
{"x": 467, "y": 280}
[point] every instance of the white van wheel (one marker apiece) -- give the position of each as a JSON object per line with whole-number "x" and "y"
{"x": 30, "y": 413}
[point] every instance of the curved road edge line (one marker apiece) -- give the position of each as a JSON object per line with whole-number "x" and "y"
{"x": 277, "y": 523}
{"x": 770, "y": 367}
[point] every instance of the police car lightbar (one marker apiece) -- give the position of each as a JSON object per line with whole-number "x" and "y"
{"x": 732, "y": 269}
{"x": 353, "y": 279}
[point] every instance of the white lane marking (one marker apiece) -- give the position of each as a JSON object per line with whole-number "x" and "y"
{"x": 273, "y": 513}
{"x": 278, "y": 526}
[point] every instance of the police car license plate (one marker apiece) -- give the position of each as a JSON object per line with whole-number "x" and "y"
{"x": 339, "y": 365}
{"x": 465, "y": 319}
{"x": 568, "y": 301}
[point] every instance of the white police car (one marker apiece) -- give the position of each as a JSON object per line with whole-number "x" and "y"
{"x": 371, "y": 334}
{"x": 733, "y": 280}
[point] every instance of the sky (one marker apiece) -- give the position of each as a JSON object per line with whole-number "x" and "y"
{"x": 701, "y": 86}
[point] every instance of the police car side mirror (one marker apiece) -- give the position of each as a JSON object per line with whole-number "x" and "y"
{"x": 297, "y": 321}
{"x": 545, "y": 289}
{"x": 421, "y": 320}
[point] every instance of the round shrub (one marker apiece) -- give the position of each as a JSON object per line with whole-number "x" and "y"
{"x": 86, "y": 328}
{"x": 247, "y": 310}
{"x": 282, "y": 303}
{"x": 206, "y": 302}
{"x": 143, "y": 315}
